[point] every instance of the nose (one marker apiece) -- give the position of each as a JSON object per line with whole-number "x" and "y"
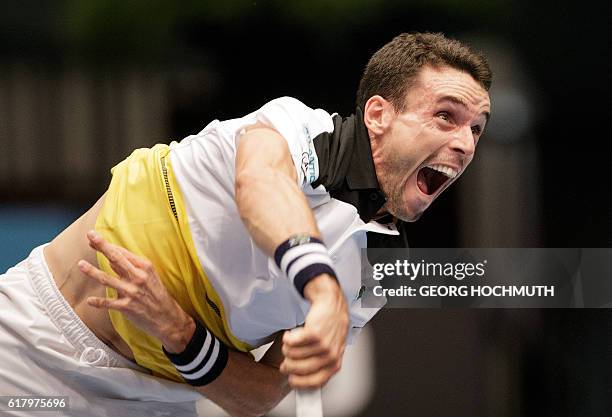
{"x": 463, "y": 141}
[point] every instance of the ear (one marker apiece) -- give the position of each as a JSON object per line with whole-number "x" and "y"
{"x": 377, "y": 115}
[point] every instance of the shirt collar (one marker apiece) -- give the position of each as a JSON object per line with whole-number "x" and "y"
{"x": 361, "y": 188}
{"x": 361, "y": 174}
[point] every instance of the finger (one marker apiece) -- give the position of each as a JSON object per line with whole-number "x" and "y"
{"x": 304, "y": 342}
{"x": 301, "y": 336}
{"x": 110, "y": 251}
{"x": 306, "y": 366}
{"x": 105, "y": 303}
{"x": 137, "y": 261}
{"x": 301, "y": 352}
{"x": 313, "y": 381}
{"x": 102, "y": 277}
{"x": 113, "y": 253}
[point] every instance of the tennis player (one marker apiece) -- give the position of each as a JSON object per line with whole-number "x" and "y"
{"x": 202, "y": 250}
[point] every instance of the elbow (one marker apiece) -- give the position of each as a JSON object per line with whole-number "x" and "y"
{"x": 244, "y": 187}
{"x": 245, "y": 180}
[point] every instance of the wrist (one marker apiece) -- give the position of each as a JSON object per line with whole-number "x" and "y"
{"x": 302, "y": 258}
{"x": 176, "y": 338}
{"x": 322, "y": 286}
{"x": 202, "y": 360}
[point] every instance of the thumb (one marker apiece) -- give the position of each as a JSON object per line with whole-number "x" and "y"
{"x": 293, "y": 336}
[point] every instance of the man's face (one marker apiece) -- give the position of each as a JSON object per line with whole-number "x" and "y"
{"x": 418, "y": 153}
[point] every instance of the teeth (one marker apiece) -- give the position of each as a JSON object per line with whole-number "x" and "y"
{"x": 449, "y": 172}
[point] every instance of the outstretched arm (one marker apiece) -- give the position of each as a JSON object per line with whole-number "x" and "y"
{"x": 274, "y": 208}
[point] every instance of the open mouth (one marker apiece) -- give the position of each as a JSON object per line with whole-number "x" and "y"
{"x": 430, "y": 179}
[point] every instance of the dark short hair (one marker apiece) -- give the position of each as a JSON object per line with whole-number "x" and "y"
{"x": 394, "y": 67}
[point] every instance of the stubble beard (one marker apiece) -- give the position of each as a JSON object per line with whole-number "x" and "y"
{"x": 395, "y": 201}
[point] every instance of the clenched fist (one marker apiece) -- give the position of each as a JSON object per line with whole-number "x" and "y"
{"x": 313, "y": 353}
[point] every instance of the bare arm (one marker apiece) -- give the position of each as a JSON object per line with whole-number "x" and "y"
{"x": 244, "y": 388}
{"x": 269, "y": 201}
{"x": 249, "y": 388}
{"x": 274, "y": 208}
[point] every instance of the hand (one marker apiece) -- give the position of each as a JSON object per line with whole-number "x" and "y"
{"x": 141, "y": 296}
{"x": 313, "y": 353}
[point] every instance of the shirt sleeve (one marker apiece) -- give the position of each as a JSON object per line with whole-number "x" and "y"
{"x": 299, "y": 125}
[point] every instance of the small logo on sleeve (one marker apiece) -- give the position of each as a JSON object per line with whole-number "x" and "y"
{"x": 310, "y": 164}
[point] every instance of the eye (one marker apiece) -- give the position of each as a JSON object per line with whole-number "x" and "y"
{"x": 444, "y": 115}
{"x": 476, "y": 130}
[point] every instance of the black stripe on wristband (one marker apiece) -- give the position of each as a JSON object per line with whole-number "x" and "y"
{"x": 305, "y": 275}
{"x": 302, "y": 258}
{"x": 203, "y": 359}
{"x": 192, "y": 349}
{"x": 213, "y": 372}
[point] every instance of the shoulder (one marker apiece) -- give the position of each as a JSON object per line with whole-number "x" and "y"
{"x": 287, "y": 103}
{"x": 298, "y": 124}
{"x": 296, "y": 112}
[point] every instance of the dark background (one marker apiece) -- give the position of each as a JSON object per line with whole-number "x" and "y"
{"x": 84, "y": 82}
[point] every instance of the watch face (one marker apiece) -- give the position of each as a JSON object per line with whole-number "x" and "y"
{"x": 299, "y": 240}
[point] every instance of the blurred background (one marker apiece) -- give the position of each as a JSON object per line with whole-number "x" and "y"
{"x": 84, "y": 82}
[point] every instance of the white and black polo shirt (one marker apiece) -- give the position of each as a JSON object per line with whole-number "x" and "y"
{"x": 333, "y": 162}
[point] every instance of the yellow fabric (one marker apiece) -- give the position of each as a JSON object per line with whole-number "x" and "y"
{"x": 138, "y": 215}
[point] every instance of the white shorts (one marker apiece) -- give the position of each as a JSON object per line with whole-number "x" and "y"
{"x": 46, "y": 350}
